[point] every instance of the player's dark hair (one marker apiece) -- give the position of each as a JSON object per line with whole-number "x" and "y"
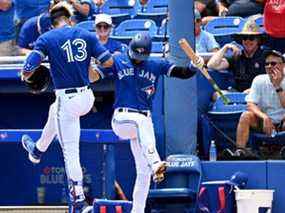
{"x": 58, "y": 14}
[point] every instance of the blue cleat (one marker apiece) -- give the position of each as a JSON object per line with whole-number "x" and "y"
{"x": 30, "y": 146}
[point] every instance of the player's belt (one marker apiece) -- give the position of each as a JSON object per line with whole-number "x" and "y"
{"x": 75, "y": 90}
{"x": 145, "y": 113}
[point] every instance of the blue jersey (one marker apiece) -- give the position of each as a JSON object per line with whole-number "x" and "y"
{"x": 136, "y": 84}
{"x": 69, "y": 50}
{"x": 7, "y": 26}
{"x": 32, "y": 29}
{"x": 29, "y": 8}
{"x": 115, "y": 46}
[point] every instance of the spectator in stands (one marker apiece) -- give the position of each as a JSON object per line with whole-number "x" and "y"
{"x": 204, "y": 41}
{"x": 266, "y": 101}
{"x": 103, "y": 27}
{"x": 245, "y": 61}
{"x": 83, "y": 9}
{"x": 31, "y": 30}
{"x": 143, "y": 2}
{"x": 7, "y": 28}
{"x": 243, "y": 8}
{"x": 209, "y": 9}
{"x": 274, "y": 16}
{"x": 98, "y": 6}
{"x": 26, "y": 9}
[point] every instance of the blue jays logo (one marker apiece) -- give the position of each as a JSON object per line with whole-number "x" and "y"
{"x": 149, "y": 90}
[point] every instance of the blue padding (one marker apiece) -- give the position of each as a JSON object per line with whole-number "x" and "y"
{"x": 173, "y": 193}
{"x": 275, "y": 180}
{"x": 110, "y": 205}
{"x": 10, "y": 74}
{"x": 87, "y": 135}
{"x": 221, "y": 170}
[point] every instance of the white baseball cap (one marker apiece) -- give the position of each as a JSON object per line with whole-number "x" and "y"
{"x": 105, "y": 18}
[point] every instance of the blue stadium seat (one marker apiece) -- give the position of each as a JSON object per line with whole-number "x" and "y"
{"x": 223, "y": 27}
{"x": 120, "y": 10}
{"x": 127, "y": 29}
{"x": 182, "y": 183}
{"x": 154, "y": 9}
{"x": 237, "y": 104}
{"x": 223, "y": 119}
{"x": 88, "y": 25}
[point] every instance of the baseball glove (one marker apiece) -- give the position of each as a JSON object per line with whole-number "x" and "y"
{"x": 39, "y": 81}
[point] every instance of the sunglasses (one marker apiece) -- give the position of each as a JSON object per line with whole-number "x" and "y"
{"x": 104, "y": 26}
{"x": 251, "y": 38}
{"x": 271, "y": 63}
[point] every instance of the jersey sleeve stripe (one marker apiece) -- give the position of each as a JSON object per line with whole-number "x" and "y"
{"x": 102, "y": 58}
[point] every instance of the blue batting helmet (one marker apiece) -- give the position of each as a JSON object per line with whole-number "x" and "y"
{"x": 240, "y": 179}
{"x": 140, "y": 46}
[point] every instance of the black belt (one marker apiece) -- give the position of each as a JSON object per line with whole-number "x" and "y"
{"x": 73, "y": 90}
{"x": 133, "y": 110}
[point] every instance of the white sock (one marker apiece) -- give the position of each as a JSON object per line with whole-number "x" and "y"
{"x": 140, "y": 192}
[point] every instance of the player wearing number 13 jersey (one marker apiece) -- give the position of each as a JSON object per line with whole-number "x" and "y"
{"x": 69, "y": 51}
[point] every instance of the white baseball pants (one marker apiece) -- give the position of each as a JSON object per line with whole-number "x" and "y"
{"x": 139, "y": 129}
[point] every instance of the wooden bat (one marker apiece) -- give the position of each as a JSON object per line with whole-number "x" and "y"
{"x": 191, "y": 54}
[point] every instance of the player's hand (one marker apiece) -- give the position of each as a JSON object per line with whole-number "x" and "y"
{"x": 268, "y": 126}
{"x": 234, "y": 48}
{"x": 199, "y": 62}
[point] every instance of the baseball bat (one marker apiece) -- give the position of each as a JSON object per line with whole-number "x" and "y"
{"x": 191, "y": 54}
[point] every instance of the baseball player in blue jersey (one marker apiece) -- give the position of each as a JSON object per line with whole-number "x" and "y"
{"x": 136, "y": 76}
{"x": 69, "y": 50}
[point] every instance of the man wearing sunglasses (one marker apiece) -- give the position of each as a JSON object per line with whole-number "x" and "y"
{"x": 265, "y": 102}
{"x": 103, "y": 28}
{"x": 244, "y": 57}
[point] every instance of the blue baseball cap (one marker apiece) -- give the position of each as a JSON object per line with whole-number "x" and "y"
{"x": 239, "y": 179}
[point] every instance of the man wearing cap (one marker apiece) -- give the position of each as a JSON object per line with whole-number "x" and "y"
{"x": 265, "y": 101}
{"x": 103, "y": 27}
{"x": 244, "y": 57}
{"x": 204, "y": 41}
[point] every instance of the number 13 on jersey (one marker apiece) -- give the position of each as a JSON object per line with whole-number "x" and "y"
{"x": 80, "y": 45}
